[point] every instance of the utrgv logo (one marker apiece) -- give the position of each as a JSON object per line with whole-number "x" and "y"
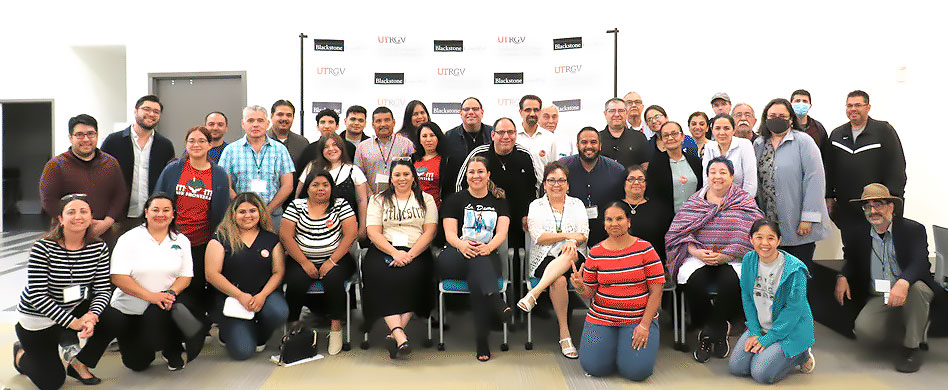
{"x": 567, "y": 69}
{"x": 511, "y": 40}
{"x": 456, "y": 72}
{"x": 391, "y": 40}
{"x": 391, "y": 102}
{"x": 331, "y": 71}
{"x": 504, "y": 102}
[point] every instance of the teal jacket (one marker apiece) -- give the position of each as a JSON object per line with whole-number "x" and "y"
{"x": 792, "y": 318}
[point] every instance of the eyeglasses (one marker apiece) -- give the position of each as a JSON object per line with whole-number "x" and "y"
{"x": 781, "y": 116}
{"x": 868, "y": 206}
{"x": 633, "y": 180}
{"x": 150, "y": 110}
{"x": 743, "y": 115}
{"x": 466, "y": 109}
{"x": 197, "y": 141}
{"x": 671, "y": 135}
{"x": 87, "y": 135}
{"x": 556, "y": 182}
{"x": 634, "y": 102}
{"x": 508, "y": 133}
{"x": 71, "y": 197}
{"x": 857, "y": 105}
{"x": 654, "y": 118}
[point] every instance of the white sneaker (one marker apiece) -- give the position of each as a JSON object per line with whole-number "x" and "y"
{"x": 810, "y": 363}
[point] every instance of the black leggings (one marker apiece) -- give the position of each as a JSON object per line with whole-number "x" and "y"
{"x": 481, "y": 274}
{"x": 41, "y": 362}
{"x": 142, "y": 335}
{"x": 334, "y": 283}
{"x": 712, "y": 318}
{"x": 200, "y": 292}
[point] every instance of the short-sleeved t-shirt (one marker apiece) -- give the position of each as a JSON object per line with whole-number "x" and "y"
{"x": 402, "y": 218}
{"x": 249, "y": 269}
{"x": 623, "y": 278}
{"x": 340, "y": 174}
{"x": 319, "y": 237}
{"x": 154, "y": 265}
{"x": 477, "y": 217}
{"x": 429, "y": 177}
{"x": 193, "y": 199}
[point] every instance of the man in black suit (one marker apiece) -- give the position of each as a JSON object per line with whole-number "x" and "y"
{"x": 142, "y": 154}
{"x": 886, "y": 276}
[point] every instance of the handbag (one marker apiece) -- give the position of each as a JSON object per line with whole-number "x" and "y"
{"x": 299, "y": 343}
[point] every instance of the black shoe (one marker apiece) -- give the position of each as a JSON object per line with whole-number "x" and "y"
{"x": 501, "y": 310}
{"x": 16, "y": 351}
{"x": 403, "y": 350}
{"x": 392, "y": 346}
{"x": 86, "y": 381}
{"x": 703, "y": 350}
{"x": 175, "y": 363}
{"x": 910, "y": 361}
{"x": 721, "y": 348}
{"x": 483, "y": 351}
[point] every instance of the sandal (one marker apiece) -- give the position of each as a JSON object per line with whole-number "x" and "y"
{"x": 396, "y": 350}
{"x": 569, "y": 351}
{"x": 810, "y": 364}
{"x": 17, "y": 347}
{"x": 527, "y": 302}
{"x": 335, "y": 342}
{"x": 483, "y": 352}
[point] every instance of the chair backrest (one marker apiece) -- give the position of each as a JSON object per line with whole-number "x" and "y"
{"x": 504, "y": 253}
{"x": 941, "y": 252}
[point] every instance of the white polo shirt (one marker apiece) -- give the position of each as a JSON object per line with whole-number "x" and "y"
{"x": 154, "y": 265}
{"x": 541, "y": 144}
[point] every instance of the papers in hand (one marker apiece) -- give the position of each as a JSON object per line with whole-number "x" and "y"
{"x": 233, "y": 309}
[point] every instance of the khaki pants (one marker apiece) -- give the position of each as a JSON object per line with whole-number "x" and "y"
{"x": 878, "y": 322}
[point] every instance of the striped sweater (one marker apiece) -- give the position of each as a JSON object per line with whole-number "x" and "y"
{"x": 52, "y": 269}
{"x": 622, "y": 278}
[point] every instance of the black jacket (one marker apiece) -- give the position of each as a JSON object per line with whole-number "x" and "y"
{"x": 119, "y": 145}
{"x": 875, "y": 157}
{"x": 659, "y": 181}
{"x": 457, "y": 149}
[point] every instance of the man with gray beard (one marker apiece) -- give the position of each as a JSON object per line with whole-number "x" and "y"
{"x": 744, "y": 117}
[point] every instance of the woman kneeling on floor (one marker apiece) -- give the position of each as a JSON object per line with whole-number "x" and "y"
{"x": 779, "y": 322}
{"x": 624, "y": 278}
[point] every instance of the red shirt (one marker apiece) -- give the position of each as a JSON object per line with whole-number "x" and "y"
{"x": 193, "y": 201}
{"x": 429, "y": 177}
{"x": 622, "y": 278}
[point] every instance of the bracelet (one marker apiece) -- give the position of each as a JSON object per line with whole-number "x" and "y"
{"x": 333, "y": 262}
{"x": 170, "y": 291}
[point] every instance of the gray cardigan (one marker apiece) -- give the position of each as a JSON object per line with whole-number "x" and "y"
{"x": 800, "y": 182}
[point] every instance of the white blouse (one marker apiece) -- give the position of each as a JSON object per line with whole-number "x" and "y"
{"x": 741, "y": 154}
{"x": 541, "y": 219}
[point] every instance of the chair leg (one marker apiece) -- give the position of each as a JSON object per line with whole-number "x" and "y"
{"x": 441, "y": 321}
{"x": 505, "y": 346}
{"x": 347, "y": 345}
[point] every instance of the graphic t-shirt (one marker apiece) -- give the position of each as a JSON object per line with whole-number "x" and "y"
{"x": 765, "y": 286}
{"x": 477, "y": 217}
{"x": 429, "y": 177}
{"x": 193, "y": 200}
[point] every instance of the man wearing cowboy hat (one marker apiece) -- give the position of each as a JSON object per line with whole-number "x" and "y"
{"x": 886, "y": 276}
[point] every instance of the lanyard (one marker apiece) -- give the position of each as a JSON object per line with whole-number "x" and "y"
{"x": 559, "y": 222}
{"x": 882, "y": 260}
{"x": 385, "y": 159}
{"x": 253, "y": 154}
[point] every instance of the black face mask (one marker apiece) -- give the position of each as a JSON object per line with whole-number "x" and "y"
{"x": 777, "y": 125}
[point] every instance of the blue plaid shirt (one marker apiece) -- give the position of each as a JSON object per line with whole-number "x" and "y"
{"x": 245, "y": 165}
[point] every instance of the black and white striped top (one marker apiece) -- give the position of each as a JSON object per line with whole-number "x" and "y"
{"x": 52, "y": 269}
{"x": 318, "y": 238}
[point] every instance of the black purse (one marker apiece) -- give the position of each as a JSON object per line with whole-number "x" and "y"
{"x": 298, "y": 343}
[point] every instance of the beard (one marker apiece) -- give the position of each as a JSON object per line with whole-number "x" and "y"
{"x": 141, "y": 123}
{"x": 583, "y": 157}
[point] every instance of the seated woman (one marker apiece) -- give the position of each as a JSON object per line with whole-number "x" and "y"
{"x": 559, "y": 228}
{"x": 673, "y": 175}
{"x": 624, "y": 278}
{"x": 350, "y": 182}
{"x": 151, "y": 265}
{"x": 705, "y": 245}
{"x": 475, "y": 225}
{"x": 67, "y": 290}
{"x": 317, "y": 232}
{"x": 738, "y": 150}
{"x": 650, "y": 216}
{"x": 396, "y": 271}
{"x": 245, "y": 262}
{"x": 779, "y": 322}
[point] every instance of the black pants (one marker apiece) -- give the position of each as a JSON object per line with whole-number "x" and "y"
{"x": 200, "y": 292}
{"x": 334, "y": 283}
{"x": 142, "y": 335}
{"x": 712, "y": 317}
{"x": 41, "y": 362}
{"x": 481, "y": 274}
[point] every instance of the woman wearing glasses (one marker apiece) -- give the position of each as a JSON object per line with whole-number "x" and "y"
{"x": 559, "y": 228}
{"x": 792, "y": 181}
{"x": 739, "y": 151}
{"x": 673, "y": 175}
{"x": 655, "y": 118}
{"x": 649, "y": 217}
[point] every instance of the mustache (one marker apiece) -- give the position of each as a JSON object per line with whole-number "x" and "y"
{"x": 743, "y": 123}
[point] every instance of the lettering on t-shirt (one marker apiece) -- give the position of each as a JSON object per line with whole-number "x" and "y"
{"x": 392, "y": 214}
{"x": 424, "y": 174}
{"x": 194, "y": 188}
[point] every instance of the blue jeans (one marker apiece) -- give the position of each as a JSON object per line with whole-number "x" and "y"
{"x": 604, "y": 349}
{"x": 243, "y": 336}
{"x": 768, "y": 367}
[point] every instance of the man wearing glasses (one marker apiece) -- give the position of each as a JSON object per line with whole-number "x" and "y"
{"x": 539, "y": 141}
{"x": 619, "y": 142}
{"x": 860, "y": 152}
{"x": 461, "y": 140}
{"x": 142, "y": 154}
{"x": 594, "y": 179}
{"x": 633, "y": 101}
{"x": 85, "y": 169}
{"x": 886, "y": 277}
{"x": 744, "y": 120}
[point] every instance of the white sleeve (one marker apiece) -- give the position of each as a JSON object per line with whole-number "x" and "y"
{"x": 535, "y": 220}
{"x": 122, "y": 254}
{"x": 358, "y": 177}
{"x": 749, "y": 168}
{"x": 305, "y": 173}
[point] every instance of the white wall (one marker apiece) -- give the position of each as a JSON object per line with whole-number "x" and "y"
{"x": 676, "y": 54}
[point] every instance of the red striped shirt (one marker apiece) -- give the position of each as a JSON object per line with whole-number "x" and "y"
{"x": 622, "y": 278}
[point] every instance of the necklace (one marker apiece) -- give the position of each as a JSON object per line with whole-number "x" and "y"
{"x": 636, "y": 206}
{"x": 559, "y": 222}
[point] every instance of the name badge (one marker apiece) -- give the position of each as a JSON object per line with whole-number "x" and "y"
{"x": 883, "y": 286}
{"x": 399, "y": 240}
{"x": 592, "y": 212}
{"x": 381, "y": 182}
{"x": 258, "y": 186}
{"x": 72, "y": 293}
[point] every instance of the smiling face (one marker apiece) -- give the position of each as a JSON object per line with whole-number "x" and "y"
{"x": 418, "y": 115}
{"x": 698, "y": 127}
{"x": 402, "y": 178}
{"x": 471, "y": 113}
{"x": 282, "y": 119}
{"x": 477, "y": 175}
{"x": 331, "y": 151}
{"x": 428, "y": 140}
{"x": 616, "y": 114}
{"x": 319, "y": 190}
{"x": 879, "y": 213}
{"x": 857, "y": 110}
{"x": 556, "y": 184}
{"x": 76, "y": 216}
{"x": 588, "y": 146}
{"x": 327, "y": 124}
{"x": 635, "y": 184}
{"x": 197, "y": 145}
{"x": 720, "y": 178}
{"x": 159, "y": 214}
{"x": 655, "y": 119}
{"x": 247, "y": 216}
{"x": 765, "y": 242}
{"x": 504, "y": 137}
{"x": 84, "y": 139}
{"x": 722, "y": 131}
{"x": 148, "y": 114}
{"x": 530, "y": 113}
{"x": 217, "y": 125}
{"x": 383, "y": 123}
{"x": 615, "y": 222}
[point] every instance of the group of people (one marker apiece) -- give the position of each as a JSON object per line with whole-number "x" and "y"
{"x": 221, "y": 234}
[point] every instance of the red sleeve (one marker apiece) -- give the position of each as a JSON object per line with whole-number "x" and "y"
{"x": 120, "y": 202}
{"x": 49, "y": 187}
{"x": 654, "y": 271}
{"x": 590, "y": 271}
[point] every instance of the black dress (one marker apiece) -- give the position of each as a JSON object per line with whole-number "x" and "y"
{"x": 650, "y": 223}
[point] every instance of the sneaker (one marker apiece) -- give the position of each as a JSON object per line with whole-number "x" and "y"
{"x": 703, "y": 350}
{"x": 910, "y": 361}
{"x": 175, "y": 363}
{"x": 810, "y": 363}
{"x": 260, "y": 348}
{"x": 721, "y": 348}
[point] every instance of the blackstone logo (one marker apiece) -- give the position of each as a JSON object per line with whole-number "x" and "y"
{"x": 568, "y": 43}
{"x": 329, "y": 45}
{"x": 567, "y": 69}
{"x": 508, "y": 78}
{"x": 511, "y": 40}
{"x": 386, "y": 102}
{"x": 456, "y": 72}
{"x": 568, "y": 105}
{"x": 445, "y": 108}
{"x": 335, "y": 106}
{"x": 331, "y": 71}
{"x": 390, "y": 78}
{"x": 391, "y": 40}
{"x": 448, "y": 46}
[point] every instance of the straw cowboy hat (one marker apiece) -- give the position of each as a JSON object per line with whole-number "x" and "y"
{"x": 876, "y": 191}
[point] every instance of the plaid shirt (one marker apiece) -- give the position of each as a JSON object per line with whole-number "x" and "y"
{"x": 374, "y": 158}
{"x": 245, "y": 165}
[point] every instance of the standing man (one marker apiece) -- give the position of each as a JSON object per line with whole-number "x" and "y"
{"x": 744, "y": 117}
{"x": 461, "y": 140}
{"x": 374, "y": 157}
{"x": 860, "y": 152}
{"x": 886, "y": 276}
{"x": 801, "y": 102}
{"x": 355, "y": 124}
{"x": 594, "y": 179}
{"x": 327, "y": 121}
{"x": 720, "y": 103}
{"x": 633, "y": 101}
{"x": 536, "y": 139}
{"x": 257, "y": 163}
{"x": 216, "y": 123}
{"x": 84, "y": 169}
{"x": 618, "y": 142}
{"x": 142, "y": 154}
{"x": 563, "y": 143}
{"x": 282, "y": 113}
